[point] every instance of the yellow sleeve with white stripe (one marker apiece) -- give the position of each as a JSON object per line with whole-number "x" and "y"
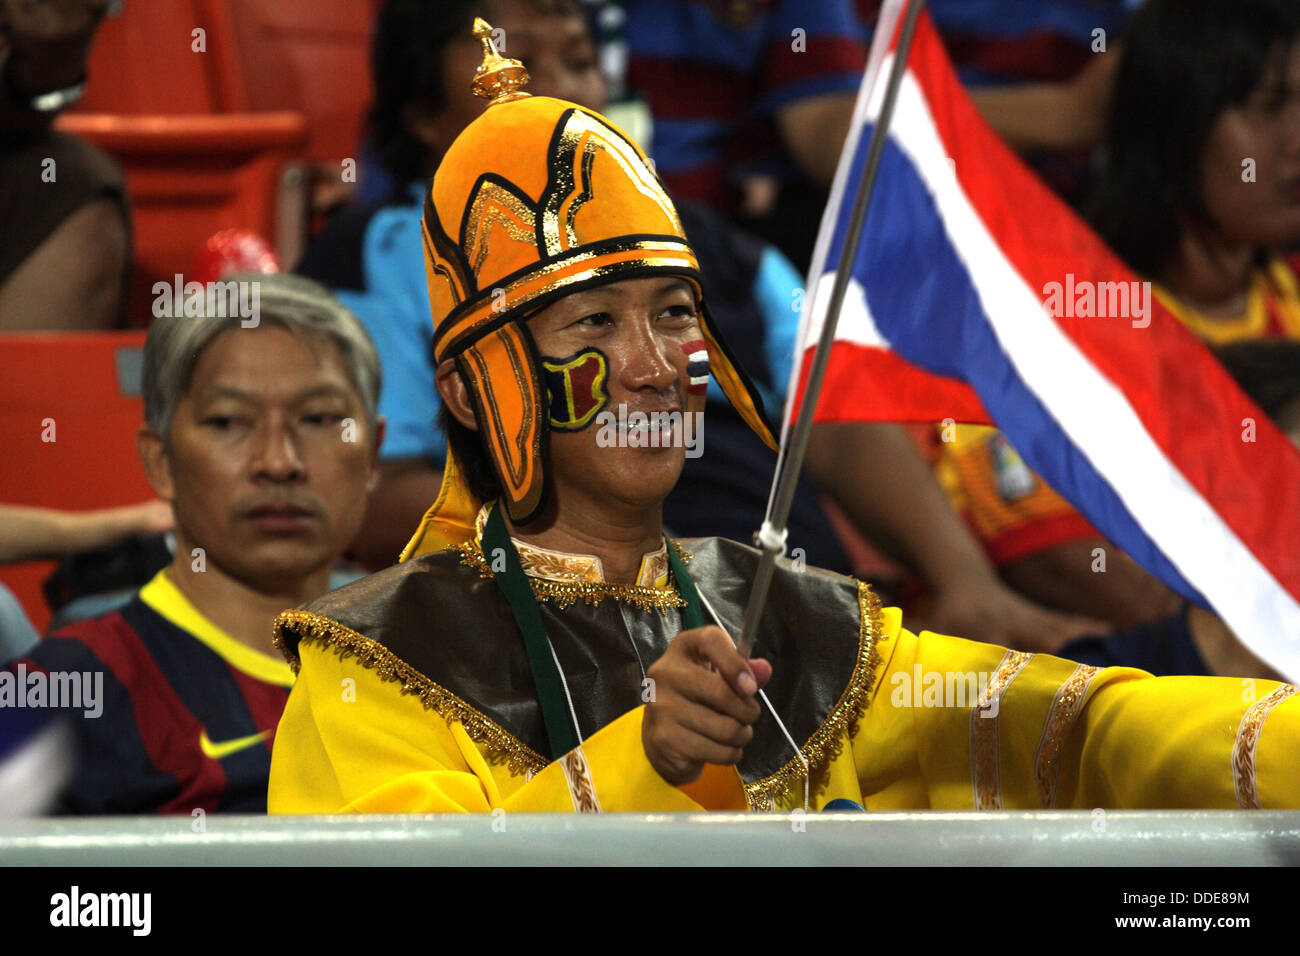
{"x": 351, "y": 742}
{"x": 955, "y": 724}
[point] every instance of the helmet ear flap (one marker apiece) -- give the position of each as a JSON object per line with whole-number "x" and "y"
{"x": 740, "y": 391}
{"x": 511, "y": 417}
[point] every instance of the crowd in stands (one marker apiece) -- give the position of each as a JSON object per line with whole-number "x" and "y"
{"x": 297, "y": 447}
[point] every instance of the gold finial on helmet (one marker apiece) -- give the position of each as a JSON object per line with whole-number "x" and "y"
{"x": 497, "y": 79}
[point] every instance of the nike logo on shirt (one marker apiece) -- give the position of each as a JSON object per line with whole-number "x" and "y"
{"x": 225, "y": 748}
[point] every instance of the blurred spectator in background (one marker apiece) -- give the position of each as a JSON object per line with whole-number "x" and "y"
{"x": 263, "y": 440}
{"x": 751, "y": 104}
{"x": 66, "y": 250}
{"x": 1039, "y": 71}
{"x": 370, "y": 254}
{"x": 29, "y": 534}
{"x": 751, "y": 101}
{"x": 1199, "y": 192}
{"x": 1200, "y": 187}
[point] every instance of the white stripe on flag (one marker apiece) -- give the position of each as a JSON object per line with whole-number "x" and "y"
{"x": 857, "y": 325}
{"x": 1097, "y": 416}
{"x": 886, "y": 22}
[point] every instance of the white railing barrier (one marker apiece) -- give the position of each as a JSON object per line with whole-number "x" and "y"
{"x": 1066, "y": 838}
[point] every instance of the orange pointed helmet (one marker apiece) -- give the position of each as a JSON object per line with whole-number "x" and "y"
{"x": 537, "y": 199}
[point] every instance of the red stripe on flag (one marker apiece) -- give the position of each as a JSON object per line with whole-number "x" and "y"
{"x": 872, "y": 384}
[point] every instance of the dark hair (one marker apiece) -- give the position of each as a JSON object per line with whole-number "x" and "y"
{"x": 468, "y": 448}
{"x": 177, "y": 341}
{"x": 406, "y": 62}
{"x": 1184, "y": 62}
{"x": 1268, "y": 371}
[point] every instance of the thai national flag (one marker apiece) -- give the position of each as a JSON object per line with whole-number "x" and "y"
{"x": 1130, "y": 418}
{"x": 697, "y": 366}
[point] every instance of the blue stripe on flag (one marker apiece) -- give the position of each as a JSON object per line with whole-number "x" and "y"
{"x": 924, "y": 303}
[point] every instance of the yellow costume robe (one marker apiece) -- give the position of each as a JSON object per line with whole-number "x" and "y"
{"x": 885, "y": 718}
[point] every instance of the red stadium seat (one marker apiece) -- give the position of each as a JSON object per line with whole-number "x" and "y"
{"x": 190, "y": 176}
{"x": 87, "y": 386}
{"x": 204, "y": 135}
{"x": 307, "y": 56}
{"x": 312, "y": 56}
{"x": 144, "y": 61}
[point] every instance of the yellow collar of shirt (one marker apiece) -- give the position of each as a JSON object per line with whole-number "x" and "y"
{"x": 550, "y": 565}
{"x": 166, "y": 598}
{"x": 1275, "y": 283}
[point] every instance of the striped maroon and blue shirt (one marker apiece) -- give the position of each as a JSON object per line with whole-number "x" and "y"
{"x": 715, "y": 74}
{"x": 187, "y": 713}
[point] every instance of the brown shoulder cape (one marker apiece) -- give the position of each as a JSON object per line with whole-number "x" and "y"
{"x": 439, "y": 625}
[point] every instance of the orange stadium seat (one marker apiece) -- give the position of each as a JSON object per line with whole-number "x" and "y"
{"x": 82, "y": 390}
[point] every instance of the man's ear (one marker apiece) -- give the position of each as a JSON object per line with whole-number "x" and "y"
{"x": 455, "y": 394}
{"x": 381, "y": 426}
{"x": 152, "y": 450}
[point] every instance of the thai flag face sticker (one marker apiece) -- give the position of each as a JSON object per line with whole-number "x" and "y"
{"x": 697, "y": 366}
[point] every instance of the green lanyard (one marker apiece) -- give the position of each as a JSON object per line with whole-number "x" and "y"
{"x": 692, "y": 615}
{"x": 523, "y": 606}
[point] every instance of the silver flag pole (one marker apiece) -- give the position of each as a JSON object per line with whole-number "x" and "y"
{"x": 771, "y": 537}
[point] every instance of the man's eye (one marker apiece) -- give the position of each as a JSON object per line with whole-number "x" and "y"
{"x": 220, "y": 421}
{"x": 595, "y": 320}
{"x": 323, "y": 418}
{"x": 684, "y": 312}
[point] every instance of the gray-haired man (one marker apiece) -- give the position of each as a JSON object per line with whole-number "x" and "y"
{"x": 263, "y": 437}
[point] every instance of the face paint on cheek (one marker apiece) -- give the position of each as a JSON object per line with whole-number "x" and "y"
{"x": 577, "y": 386}
{"x": 697, "y": 366}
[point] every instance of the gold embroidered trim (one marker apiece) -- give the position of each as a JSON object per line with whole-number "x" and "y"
{"x": 539, "y": 562}
{"x": 826, "y": 743}
{"x": 985, "y": 771}
{"x": 504, "y": 206}
{"x": 500, "y": 744}
{"x": 582, "y": 789}
{"x": 557, "y": 566}
{"x": 565, "y": 593}
{"x": 1065, "y": 710}
{"x": 1247, "y": 742}
{"x": 450, "y": 337}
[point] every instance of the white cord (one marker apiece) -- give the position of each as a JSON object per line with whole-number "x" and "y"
{"x": 573, "y": 714}
{"x": 798, "y": 754}
{"x": 567, "y": 696}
